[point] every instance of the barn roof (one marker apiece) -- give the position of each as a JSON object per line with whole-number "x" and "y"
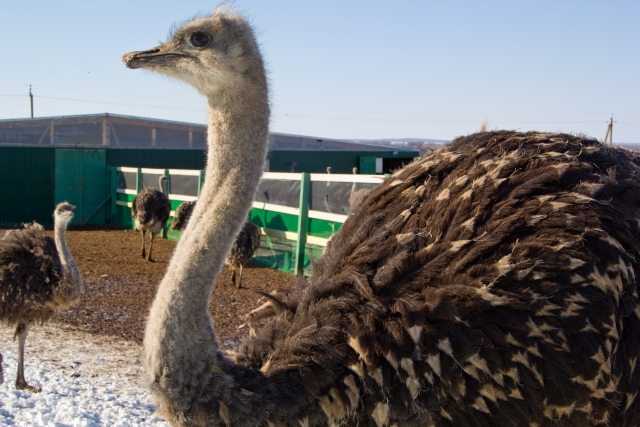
{"x": 124, "y": 131}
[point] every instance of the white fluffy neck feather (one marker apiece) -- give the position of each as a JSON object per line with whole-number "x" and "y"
{"x": 180, "y": 336}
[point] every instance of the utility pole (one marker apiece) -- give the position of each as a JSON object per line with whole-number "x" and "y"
{"x": 608, "y": 138}
{"x": 31, "y": 100}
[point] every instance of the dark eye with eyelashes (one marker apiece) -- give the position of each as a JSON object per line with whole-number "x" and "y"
{"x": 199, "y": 39}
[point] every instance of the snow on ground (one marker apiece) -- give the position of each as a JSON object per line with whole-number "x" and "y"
{"x": 86, "y": 380}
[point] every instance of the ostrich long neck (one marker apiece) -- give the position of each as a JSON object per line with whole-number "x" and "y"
{"x": 180, "y": 339}
{"x": 66, "y": 259}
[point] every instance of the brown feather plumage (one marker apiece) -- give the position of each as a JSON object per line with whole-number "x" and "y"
{"x": 150, "y": 211}
{"x": 30, "y": 272}
{"x": 492, "y": 282}
{"x": 151, "y": 207}
{"x": 245, "y": 245}
{"x": 183, "y": 213}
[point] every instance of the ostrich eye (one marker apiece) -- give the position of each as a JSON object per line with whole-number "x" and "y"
{"x": 200, "y": 39}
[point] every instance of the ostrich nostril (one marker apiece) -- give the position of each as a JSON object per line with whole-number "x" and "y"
{"x": 130, "y": 58}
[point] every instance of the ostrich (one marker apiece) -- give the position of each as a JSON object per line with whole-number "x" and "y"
{"x": 150, "y": 212}
{"x": 38, "y": 276}
{"x": 244, "y": 246}
{"x": 183, "y": 213}
{"x": 491, "y": 282}
{"x": 242, "y": 250}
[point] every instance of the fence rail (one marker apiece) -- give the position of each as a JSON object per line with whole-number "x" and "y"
{"x": 296, "y": 212}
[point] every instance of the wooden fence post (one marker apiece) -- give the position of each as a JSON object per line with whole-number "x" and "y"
{"x": 303, "y": 219}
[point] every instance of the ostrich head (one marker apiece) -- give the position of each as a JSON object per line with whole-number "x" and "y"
{"x": 214, "y": 54}
{"x": 63, "y": 213}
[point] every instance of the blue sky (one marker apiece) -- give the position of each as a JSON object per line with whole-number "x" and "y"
{"x": 356, "y": 69}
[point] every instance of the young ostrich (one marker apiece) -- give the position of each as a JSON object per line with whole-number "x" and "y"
{"x": 491, "y": 282}
{"x": 38, "y": 276}
{"x": 183, "y": 213}
{"x": 150, "y": 212}
{"x": 244, "y": 246}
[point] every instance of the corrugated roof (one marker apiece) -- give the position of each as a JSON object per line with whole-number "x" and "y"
{"x": 27, "y": 131}
{"x": 89, "y": 117}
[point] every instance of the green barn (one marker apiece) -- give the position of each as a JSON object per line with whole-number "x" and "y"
{"x": 49, "y": 159}
{"x": 100, "y": 162}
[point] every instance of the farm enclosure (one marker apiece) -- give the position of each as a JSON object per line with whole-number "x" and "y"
{"x": 297, "y": 212}
{"x": 46, "y": 160}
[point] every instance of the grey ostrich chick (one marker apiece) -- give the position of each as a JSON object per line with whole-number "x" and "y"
{"x": 244, "y": 246}
{"x": 150, "y": 212}
{"x": 38, "y": 276}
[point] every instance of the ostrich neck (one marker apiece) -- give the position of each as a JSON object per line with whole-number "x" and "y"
{"x": 180, "y": 338}
{"x": 66, "y": 259}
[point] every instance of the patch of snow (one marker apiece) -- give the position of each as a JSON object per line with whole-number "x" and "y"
{"x": 86, "y": 380}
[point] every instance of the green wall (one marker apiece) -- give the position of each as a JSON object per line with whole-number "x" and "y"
{"x": 35, "y": 178}
{"x": 317, "y": 161}
{"x": 279, "y": 161}
{"x": 153, "y": 158}
{"x": 26, "y": 189}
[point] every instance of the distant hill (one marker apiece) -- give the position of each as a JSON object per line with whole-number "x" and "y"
{"x": 629, "y": 145}
{"x": 420, "y": 144}
{"x": 425, "y": 144}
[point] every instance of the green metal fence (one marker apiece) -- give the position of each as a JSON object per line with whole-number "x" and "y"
{"x": 295, "y": 227}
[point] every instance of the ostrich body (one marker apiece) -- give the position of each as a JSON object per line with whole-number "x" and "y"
{"x": 492, "y": 282}
{"x": 244, "y": 246}
{"x": 150, "y": 211}
{"x": 183, "y": 213}
{"x": 38, "y": 276}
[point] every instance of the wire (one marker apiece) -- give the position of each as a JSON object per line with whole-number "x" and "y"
{"x": 90, "y": 101}
{"x": 413, "y": 117}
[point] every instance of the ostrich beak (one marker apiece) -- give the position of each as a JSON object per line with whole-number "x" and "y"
{"x": 158, "y": 56}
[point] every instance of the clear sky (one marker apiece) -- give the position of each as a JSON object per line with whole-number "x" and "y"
{"x": 352, "y": 69}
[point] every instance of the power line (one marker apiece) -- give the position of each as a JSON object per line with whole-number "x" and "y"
{"x": 119, "y": 104}
{"x": 376, "y": 118}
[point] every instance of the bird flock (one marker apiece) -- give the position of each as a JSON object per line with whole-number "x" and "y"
{"x": 39, "y": 276}
{"x": 493, "y": 282}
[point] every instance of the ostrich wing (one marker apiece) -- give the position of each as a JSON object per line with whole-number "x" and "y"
{"x": 494, "y": 280}
{"x": 183, "y": 213}
{"x": 246, "y": 243}
{"x": 30, "y": 271}
{"x": 151, "y": 205}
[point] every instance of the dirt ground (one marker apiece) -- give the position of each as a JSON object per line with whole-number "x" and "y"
{"x": 121, "y": 287}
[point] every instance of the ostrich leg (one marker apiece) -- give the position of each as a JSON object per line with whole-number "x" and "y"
{"x": 239, "y": 281}
{"x": 1, "y": 371}
{"x": 233, "y": 274}
{"x": 21, "y": 384}
{"x": 143, "y": 252}
{"x": 150, "y": 247}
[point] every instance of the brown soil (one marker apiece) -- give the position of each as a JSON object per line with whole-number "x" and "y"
{"x": 121, "y": 287}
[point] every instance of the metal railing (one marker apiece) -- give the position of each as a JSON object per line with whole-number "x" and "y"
{"x": 299, "y": 210}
